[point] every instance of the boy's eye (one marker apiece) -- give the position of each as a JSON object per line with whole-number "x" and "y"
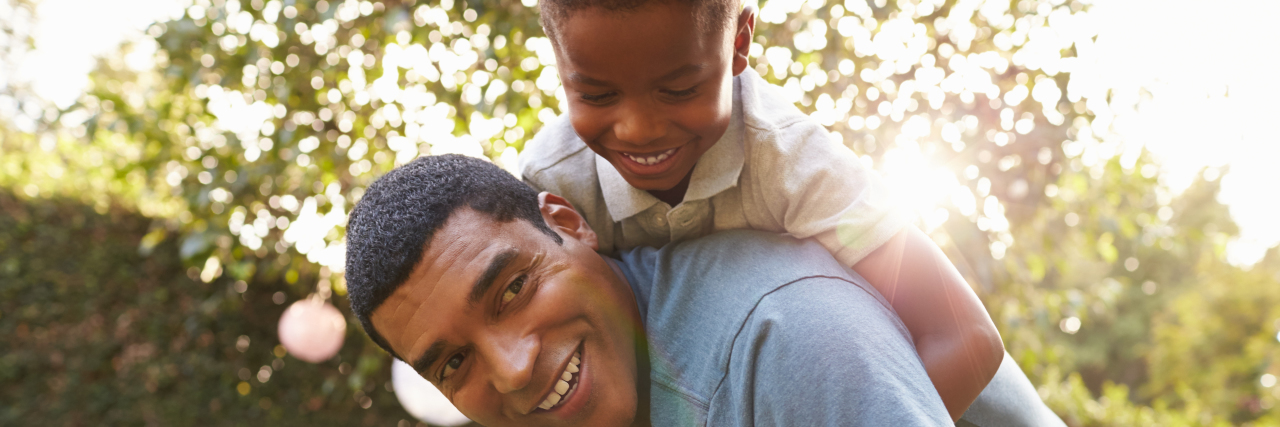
{"x": 513, "y": 289}
{"x": 597, "y": 98}
{"x": 681, "y": 93}
{"x": 452, "y": 365}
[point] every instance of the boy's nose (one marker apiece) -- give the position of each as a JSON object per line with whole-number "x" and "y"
{"x": 638, "y": 125}
{"x": 513, "y": 362}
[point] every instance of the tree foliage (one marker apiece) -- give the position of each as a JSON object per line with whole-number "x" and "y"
{"x": 214, "y": 187}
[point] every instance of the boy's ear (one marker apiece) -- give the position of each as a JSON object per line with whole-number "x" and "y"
{"x": 744, "y": 29}
{"x": 565, "y": 220}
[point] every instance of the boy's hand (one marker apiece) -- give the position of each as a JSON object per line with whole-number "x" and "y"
{"x": 955, "y": 337}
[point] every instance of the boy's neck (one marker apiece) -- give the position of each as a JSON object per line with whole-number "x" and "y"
{"x": 674, "y": 195}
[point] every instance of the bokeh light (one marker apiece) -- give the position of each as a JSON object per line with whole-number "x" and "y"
{"x": 422, "y": 399}
{"x": 1068, "y": 155}
{"x": 312, "y": 330}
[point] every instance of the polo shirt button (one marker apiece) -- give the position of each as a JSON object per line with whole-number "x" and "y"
{"x": 659, "y": 219}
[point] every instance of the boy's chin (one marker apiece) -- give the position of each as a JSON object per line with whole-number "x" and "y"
{"x": 662, "y": 181}
{"x": 651, "y": 184}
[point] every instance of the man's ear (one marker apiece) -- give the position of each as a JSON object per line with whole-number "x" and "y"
{"x": 562, "y": 218}
{"x": 744, "y": 29}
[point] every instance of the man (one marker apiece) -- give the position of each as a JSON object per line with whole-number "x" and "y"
{"x": 495, "y": 294}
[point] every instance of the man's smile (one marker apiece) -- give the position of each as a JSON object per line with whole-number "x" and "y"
{"x": 563, "y": 399}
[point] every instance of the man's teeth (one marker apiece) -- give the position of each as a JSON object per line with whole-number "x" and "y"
{"x": 562, "y": 385}
{"x": 651, "y": 160}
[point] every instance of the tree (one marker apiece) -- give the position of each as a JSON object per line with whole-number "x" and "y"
{"x": 261, "y": 122}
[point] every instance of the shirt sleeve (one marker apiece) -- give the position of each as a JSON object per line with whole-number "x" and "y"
{"x": 820, "y": 352}
{"x": 814, "y": 187}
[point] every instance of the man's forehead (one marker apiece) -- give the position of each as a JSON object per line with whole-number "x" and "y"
{"x": 446, "y": 271}
{"x": 464, "y": 238}
{"x": 444, "y": 256}
{"x": 438, "y": 288}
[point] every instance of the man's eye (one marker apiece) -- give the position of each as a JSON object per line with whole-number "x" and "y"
{"x": 513, "y": 289}
{"x": 452, "y": 365}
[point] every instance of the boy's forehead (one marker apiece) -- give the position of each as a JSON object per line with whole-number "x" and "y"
{"x": 708, "y": 15}
{"x": 645, "y": 43}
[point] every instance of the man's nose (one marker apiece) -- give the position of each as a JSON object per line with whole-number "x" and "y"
{"x": 513, "y": 362}
{"x": 639, "y": 124}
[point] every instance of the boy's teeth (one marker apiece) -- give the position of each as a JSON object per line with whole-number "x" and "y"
{"x": 562, "y": 385}
{"x": 650, "y": 160}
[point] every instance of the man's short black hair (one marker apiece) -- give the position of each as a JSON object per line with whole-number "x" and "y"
{"x": 710, "y": 14}
{"x": 394, "y": 221}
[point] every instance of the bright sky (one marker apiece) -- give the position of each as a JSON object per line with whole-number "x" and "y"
{"x": 58, "y": 68}
{"x": 1209, "y": 69}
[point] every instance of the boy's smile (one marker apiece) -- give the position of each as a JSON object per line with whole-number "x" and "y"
{"x": 651, "y": 89}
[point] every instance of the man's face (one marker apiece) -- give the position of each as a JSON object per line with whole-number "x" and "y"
{"x": 649, "y": 90}
{"x": 496, "y": 313}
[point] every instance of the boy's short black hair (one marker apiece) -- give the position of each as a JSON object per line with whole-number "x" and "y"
{"x": 394, "y": 221}
{"x": 711, "y": 14}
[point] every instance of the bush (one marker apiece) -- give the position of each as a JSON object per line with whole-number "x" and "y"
{"x": 104, "y": 327}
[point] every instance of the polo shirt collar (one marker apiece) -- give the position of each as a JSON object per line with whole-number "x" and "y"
{"x": 620, "y": 197}
{"x": 716, "y": 171}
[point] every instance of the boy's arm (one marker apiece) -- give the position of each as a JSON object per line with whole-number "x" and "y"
{"x": 953, "y": 334}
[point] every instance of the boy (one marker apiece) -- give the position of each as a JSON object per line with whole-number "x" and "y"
{"x": 685, "y": 140}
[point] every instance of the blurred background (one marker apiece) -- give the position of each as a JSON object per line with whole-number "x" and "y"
{"x": 175, "y": 174}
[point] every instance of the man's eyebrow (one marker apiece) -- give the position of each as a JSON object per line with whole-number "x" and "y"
{"x": 478, "y": 289}
{"x": 429, "y": 357}
{"x": 487, "y": 279}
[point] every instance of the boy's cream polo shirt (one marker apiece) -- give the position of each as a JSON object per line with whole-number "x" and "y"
{"x": 775, "y": 169}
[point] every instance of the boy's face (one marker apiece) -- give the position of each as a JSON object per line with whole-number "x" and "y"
{"x": 650, "y": 90}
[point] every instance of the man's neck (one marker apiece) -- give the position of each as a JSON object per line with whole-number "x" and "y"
{"x": 642, "y": 383}
{"x": 641, "y": 353}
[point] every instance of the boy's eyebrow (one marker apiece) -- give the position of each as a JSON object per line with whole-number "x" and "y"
{"x": 688, "y": 69}
{"x": 577, "y": 77}
{"x": 681, "y": 72}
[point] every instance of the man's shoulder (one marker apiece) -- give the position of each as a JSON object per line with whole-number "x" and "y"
{"x": 718, "y": 302}
{"x": 733, "y": 269}
{"x": 755, "y": 263}
{"x": 741, "y": 245}
{"x": 729, "y": 270}
{"x": 555, "y": 146}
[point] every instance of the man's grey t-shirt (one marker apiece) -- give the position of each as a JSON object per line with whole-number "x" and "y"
{"x": 750, "y": 328}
